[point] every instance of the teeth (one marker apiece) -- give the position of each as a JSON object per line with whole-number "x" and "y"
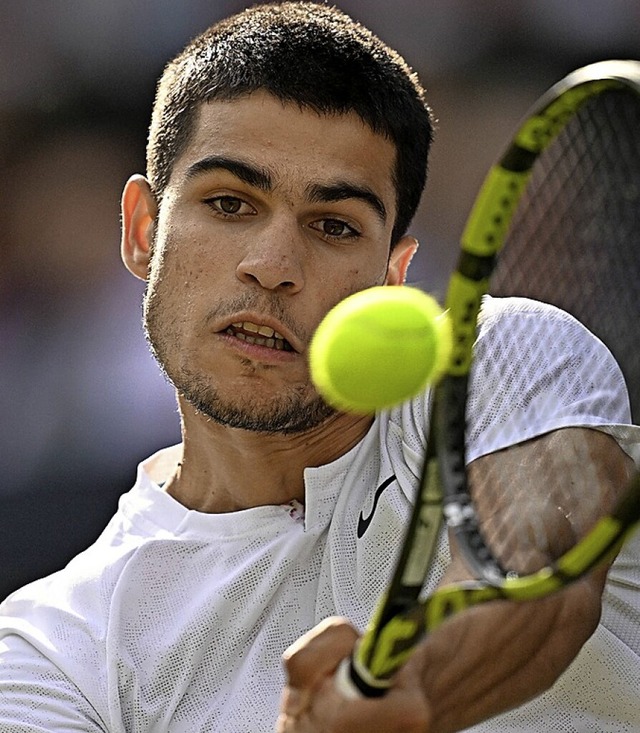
{"x": 264, "y": 336}
{"x": 262, "y": 330}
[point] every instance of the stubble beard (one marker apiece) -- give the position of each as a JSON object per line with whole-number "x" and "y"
{"x": 287, "y": 412}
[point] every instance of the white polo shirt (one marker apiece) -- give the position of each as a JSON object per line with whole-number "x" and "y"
{"x": 175, "y": 620}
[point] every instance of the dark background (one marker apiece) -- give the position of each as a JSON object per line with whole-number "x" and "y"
{"x": 81, "y": 401}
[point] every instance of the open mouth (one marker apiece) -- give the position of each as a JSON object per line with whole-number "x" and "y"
{"x": 265, "y": 336}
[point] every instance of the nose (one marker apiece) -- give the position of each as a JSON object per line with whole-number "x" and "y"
{"x": 274, "y": 260}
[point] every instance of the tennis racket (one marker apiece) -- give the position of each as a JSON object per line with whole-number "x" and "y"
{"x": 570, "y": 174}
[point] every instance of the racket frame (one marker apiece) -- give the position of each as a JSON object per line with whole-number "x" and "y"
{"x": 401, "y": 619}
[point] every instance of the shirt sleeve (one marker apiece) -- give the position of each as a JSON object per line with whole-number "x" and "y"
{"x": 538, "y": 369}
{"x": 36, "y": 697}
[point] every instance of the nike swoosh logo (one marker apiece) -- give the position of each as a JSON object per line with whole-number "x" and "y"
{"x": 363, "y": 524}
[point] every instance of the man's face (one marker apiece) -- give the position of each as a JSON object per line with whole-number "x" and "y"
{"x": 272, "y": 215}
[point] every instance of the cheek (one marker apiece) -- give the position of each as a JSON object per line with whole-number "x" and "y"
{"x": 181, "y": 258}
{"x": 173, "y": 283}
{"x": 361, "y": 276}
{"x": 349, "y": 282}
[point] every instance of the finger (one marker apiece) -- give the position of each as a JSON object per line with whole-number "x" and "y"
{"x": 311, "y": 702}
{"x": 327, "y": 711}
{"x": 308, "y": 662}
{"x": 315, "y": 656}
{"x": 400, "y": 711}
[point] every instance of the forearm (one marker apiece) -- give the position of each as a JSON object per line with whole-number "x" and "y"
{"x": 496, "y": 657}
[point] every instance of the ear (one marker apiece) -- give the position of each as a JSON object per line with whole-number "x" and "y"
{"x": 400, "y": 259}
{"x": 139, "y": 211}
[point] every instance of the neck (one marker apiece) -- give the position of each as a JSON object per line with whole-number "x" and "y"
{"x": 227, "y": 469}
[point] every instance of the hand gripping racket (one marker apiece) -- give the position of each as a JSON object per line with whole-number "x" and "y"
{"x": 563, "y": 202}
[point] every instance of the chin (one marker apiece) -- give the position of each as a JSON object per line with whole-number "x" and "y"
{"x": 294, "y": 412}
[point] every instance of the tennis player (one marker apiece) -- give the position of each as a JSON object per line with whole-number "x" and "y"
{"x": 286, "y": 158}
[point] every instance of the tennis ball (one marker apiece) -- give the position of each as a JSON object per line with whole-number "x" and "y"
{"x": 379, "y": 347}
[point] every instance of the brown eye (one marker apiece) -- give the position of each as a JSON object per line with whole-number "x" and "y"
{"x": 229, "y": 205}
{"x": 334, "y": 228}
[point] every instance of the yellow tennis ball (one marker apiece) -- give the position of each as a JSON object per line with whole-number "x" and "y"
{"x": 379, "y": 347}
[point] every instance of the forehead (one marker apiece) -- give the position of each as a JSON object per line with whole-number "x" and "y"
{"x": 295, "y": 144}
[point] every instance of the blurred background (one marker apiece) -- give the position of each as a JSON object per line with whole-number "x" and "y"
{"x": 81, "y": 400}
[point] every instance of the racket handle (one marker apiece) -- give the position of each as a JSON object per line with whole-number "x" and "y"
{"x": 354, "y": 681}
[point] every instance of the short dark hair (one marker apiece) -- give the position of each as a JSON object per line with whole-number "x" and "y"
{"x": 308, "y": 54}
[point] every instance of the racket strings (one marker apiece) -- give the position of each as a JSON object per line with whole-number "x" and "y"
{"x": 574, "y": 242}
{"x": 575, "y": 238}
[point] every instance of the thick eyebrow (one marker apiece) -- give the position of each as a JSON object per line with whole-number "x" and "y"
{"x": 251, "y": 174}
{"x": 260, "y": 178}
{"x": 343, "y": 190}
